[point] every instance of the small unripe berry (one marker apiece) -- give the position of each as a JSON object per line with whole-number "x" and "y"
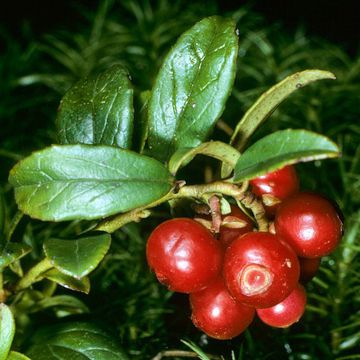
{"x": 217, "y": 314}
{"x": 287, "y": 312}
{"x": 260, "y": 270}
{"x": 184, "y": 255}
{"x": 310, "y": 224}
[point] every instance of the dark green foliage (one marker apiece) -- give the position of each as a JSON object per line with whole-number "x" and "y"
{"x": 75, "y": 340}
{"x": 197, "y": 75}
{"x": 124, "y": 295}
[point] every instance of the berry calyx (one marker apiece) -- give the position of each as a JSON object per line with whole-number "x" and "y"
{"x": 233, "y": 225}
{"x": 275, "y": 186}
{"x": 308, "y": 268}
{"x": 287, "y": 312}
{"x": 260, "y": 269}
{"x": 310, "y": 224}
{"x": 184, "y": 255}
{"x": 217, "y": 314}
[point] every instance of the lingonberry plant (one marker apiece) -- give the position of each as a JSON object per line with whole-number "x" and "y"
{"x": 112, "y": 168}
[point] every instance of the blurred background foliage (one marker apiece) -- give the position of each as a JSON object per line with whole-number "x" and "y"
{"x": 125, "y": 297}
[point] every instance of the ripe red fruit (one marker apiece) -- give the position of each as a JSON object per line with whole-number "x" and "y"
{"x": 184, "y": 255}
{"x": 235, "y": 224}
{"x": 286, "y": 312}
{"x": 217, "y": 314}
{"x": 310, "y": 224}
{"x": 275, "y": 186}
{"x": 308, "y": 268}
{"x": 260, "y": 269}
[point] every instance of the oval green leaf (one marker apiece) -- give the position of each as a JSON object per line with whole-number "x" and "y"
{"x": 7, "y": 330}
{"x": 214, "y": 149}
{"x": 13, "y": 252}
{"x": 283, "y": 148}
{"x": 14, "y": 355}
{"x": 86, "y": 182}
{"x": 192, "y": 87}
{"x": 75, "y": 341}
{"x": 270, "y": 100}
{"x": 68, "y": 282}
{"x": 77, "y": 257}
{"x": 98, "y": 110}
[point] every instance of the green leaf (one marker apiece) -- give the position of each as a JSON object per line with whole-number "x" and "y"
{"x": 283, "y": 148}
{"x": 14, "y": 355}
{"x": 13, "y": 252}
{"x": 98, "y": 110}
{"x": 270, "y": 100}
{"x": 77, "y": 257}
{"x": 75, "y": 341}
{"x": 192, "y": 87}
{"x": 69, "y": 282}
{"x": 7, "y": 330}
{"x": 70, "y": 303}
{"x": 86, "y": 182}
{"x": 215, "y": 149}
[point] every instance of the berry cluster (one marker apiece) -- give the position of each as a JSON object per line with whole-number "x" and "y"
{"x": 238, "y": 272}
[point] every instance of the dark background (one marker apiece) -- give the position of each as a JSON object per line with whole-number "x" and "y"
{"x": 335, "y": 20}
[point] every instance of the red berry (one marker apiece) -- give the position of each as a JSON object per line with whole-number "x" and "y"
{"x": 275, "y": 186}
{"x": 308, "y": 268}
{"x": 310, "y": 224}
{"x": 286, "y": 312}
{"x": 184, "y": 255}
{"x": 217, "y": 314}
{"x": 260, "y": 269}
{"x": 235, "y": 224}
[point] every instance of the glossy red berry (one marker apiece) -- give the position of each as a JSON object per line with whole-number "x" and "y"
{"x": 310, "y": 224}
{"x": 308, "y": 268}
{"x": 287, "y": 312}
{"x": 275, "y": 186}
{"x": 184, "y": 255}
{"x": 260, "y": 269}
{"x": 217, "y": 314}
{"x": 233, "y": 225}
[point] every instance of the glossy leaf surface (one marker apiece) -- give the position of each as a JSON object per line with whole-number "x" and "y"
{"x": 69, "y": 282}
{"x": 98, "y": 110}
{"x": 7, "y": 330}
{"x": 192, "y": 87}
{"x": 282, "y": 148}
{"x": 77, "y": 257}
{"x": 75, "y": 341}
{"x": 86, "y": 182}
